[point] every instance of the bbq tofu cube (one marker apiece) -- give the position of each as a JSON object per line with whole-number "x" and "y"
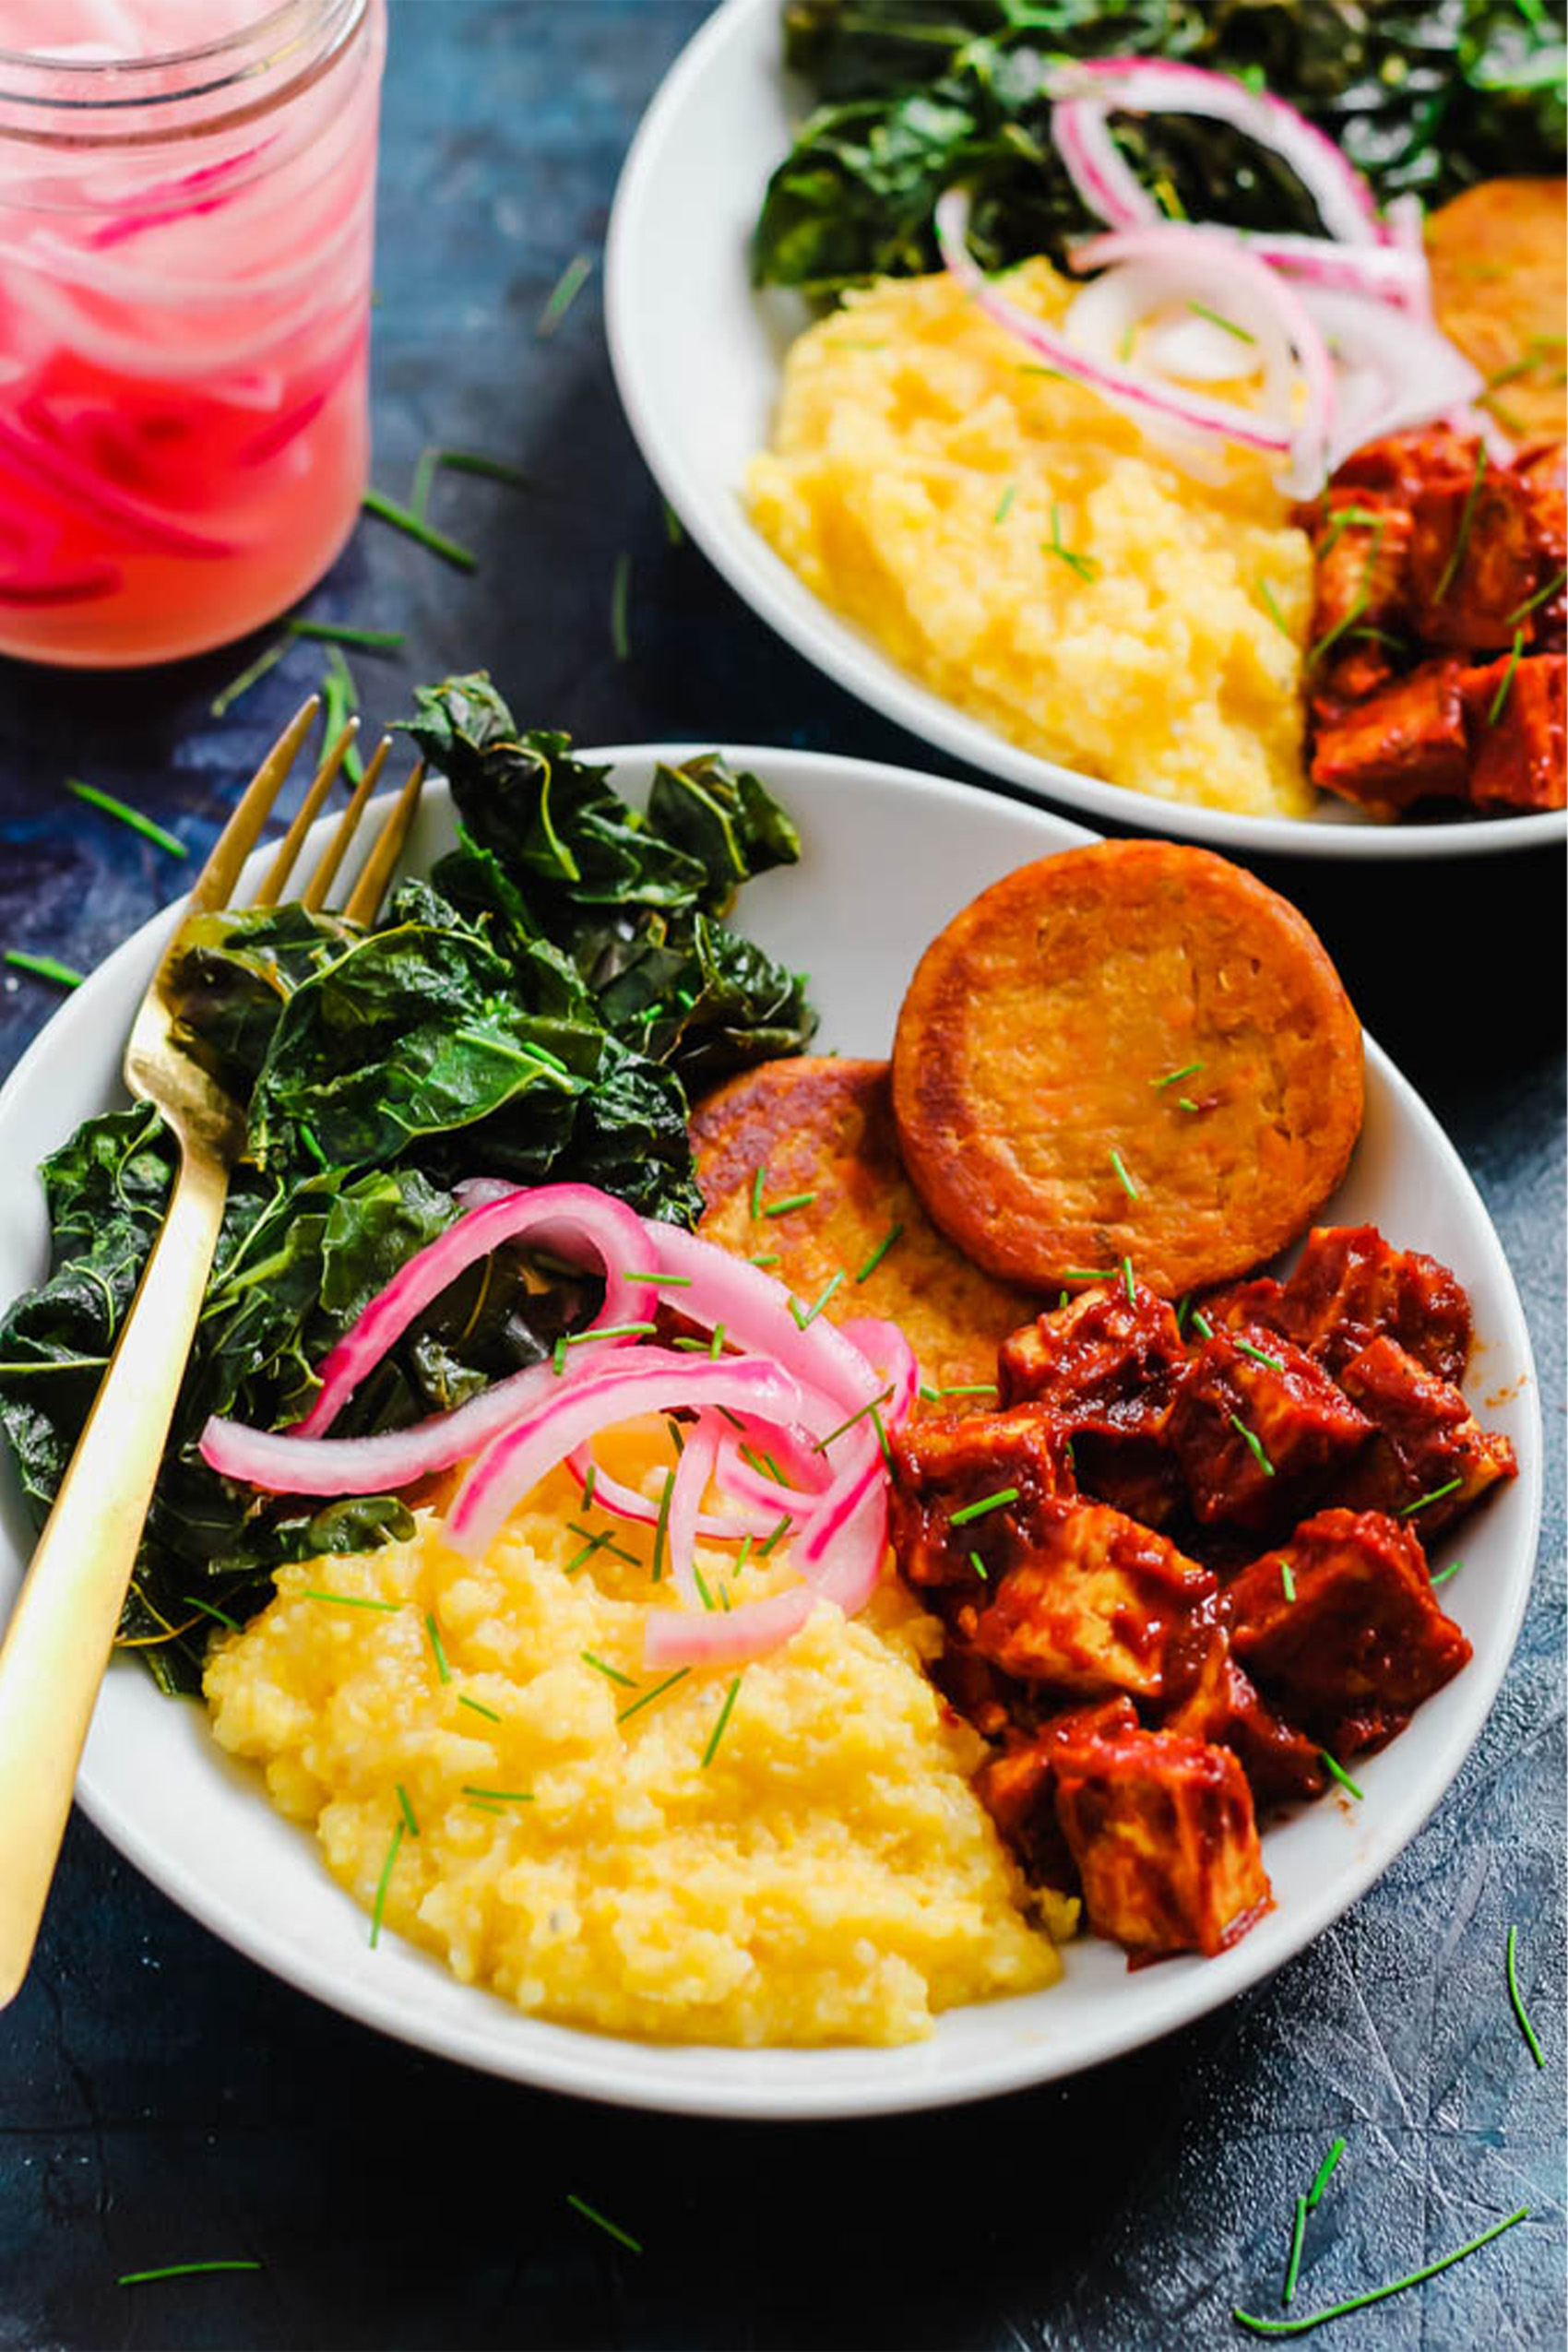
{"x": 1363, "y": 1641}
{"x": 1518, "y": 732}
{"x": 1259, "y": 1430}
{"x": 1473, "y": 558}
{"x": 1106, "y": 1365}
{"x": 1430, "y": 1459}
{"x": 1404, "y": 743}
{"x": 1094, "y": 1606}
{"x": 1224, "y": 1709}
{"x": 948, "y": 1468}
{"x": 1162, "y": 1831}
{"x": 1348, "y": 1287}
{"x": 1018, "y": 1787}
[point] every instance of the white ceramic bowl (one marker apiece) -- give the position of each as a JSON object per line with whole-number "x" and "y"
{"x": 697, "y": 354}
{"x": 889, "y": 857}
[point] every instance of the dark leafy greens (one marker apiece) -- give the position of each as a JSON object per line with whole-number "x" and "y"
{"x": 1422, "y": 95}
{"x": 537, "y": 1009}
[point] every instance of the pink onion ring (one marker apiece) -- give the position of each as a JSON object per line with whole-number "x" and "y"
{"x": 677, "y": 1637}
{"x": 564, "y": 1216}
{"x": 689, "y": 1484}
{"x": 753, "y": 1311}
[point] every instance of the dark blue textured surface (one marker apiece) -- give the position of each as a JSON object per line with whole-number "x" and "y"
{"x": 160, "y": 2099}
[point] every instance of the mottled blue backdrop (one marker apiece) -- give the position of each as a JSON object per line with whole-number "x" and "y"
{"x": 161, "y": 2099}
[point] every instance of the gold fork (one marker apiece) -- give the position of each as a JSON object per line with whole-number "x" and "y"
{"x": 62, "y": 1627}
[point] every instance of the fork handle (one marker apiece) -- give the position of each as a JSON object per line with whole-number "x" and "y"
{"x": 62, "y": 1627}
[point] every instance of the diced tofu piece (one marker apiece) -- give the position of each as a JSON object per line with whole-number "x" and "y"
{"x": 1518, "y": 753}
{"x": 1223, "y": 1707}
{"x": 1363, "y": 1641}
{"x": 1544, "y": 472}
{"x": 1402, "y": 463}
{"x": 1404, "y": 743}
{"x": 1106, "y": 1365}
{"x": 1094, "y": 1606}
{"x": 1428, "y": 1441}
{"x": 1473, "y": 560}
{"x": 1349, "y": 1286}
{"x": 946, "y": 1463}
{"x": 1162, "y": 1831}
{"x": 1018, "y": 1787}
{"x": 1364, "y": 547}
{"x": 1259, "y": 1429}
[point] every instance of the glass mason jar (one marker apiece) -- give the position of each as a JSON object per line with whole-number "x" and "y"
{"x": 184, "y": 296}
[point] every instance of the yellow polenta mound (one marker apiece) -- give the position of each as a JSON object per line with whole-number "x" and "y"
{"x": 923, "y": 469}
{"x": 830, "y": 1876}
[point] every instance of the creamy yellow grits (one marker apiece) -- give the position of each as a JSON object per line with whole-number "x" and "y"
{"x": 828, "y": 1875}
{"x": 923, "y": 469}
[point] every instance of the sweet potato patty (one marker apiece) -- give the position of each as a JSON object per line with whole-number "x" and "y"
{"x": 1132, "y": 1050}
{"x": 821, "y": 1126}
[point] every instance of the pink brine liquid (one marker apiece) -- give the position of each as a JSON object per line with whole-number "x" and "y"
{"x": 183, "y": 318}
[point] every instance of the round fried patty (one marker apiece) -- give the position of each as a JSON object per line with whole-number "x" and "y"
{"x": 1135, "y": 1051}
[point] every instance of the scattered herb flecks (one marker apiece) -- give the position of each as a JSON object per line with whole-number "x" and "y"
{"x": 1376, "y": 2294}
{"x": 412, "y": 525}
{"x": 996, "y": 1502}
{"x": 45, "y": 967}
{"x": 146, "y": 826}
{"x": 1517, "y": 1998}
{"x": 718, "y": 1729}
{"x": 600, "y": 2221}
{"x": 894, "y": 1234}
{"x": 565, "y": 292}
{"x": 1333, "y": 1764}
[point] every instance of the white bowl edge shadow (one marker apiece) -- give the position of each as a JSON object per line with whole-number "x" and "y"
{"x": 676, "y": 283}
{"x": 154, "y": 1782}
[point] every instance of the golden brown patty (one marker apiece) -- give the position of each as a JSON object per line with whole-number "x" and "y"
{"x": 1498, "y": 258}
{"x": 1031, "y": 1048}
{"x": 823, "y": 1126}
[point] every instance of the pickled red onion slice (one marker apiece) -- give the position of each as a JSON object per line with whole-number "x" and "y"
{"x": 624, "y": 1501}
{"x": 678, "y": 1637}
{"x": 564, "y": 1217}
{"x": 688, "y": 1485}
{"x": 753, "y": 1311}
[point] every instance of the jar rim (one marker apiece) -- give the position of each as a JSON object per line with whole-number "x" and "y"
{"x": 103, "y": 84}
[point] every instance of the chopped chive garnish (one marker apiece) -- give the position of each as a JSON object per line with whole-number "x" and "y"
{"x": 657, "y": 1692}
{"x": 604, "y": 1541}
{"x": 724, "y": 1713}
{"x": 690, "y": 1347}
{"x": 1127, "y": 1280}
{"x": 1540, "y": 596}
{"x": 1443, "y": 1574}
{"x": 1217, "y": 318}
{"x": 600, "y": 2222}
{"x": 1462, "y": 536}
{"x": 1090, "y": 1273}
{"x": 665, "y": 1281}
{"x": 406, "y": 1808}
{"x": 1325, "y": 2175}
{"x": 715, "y": 1341}
{"x": 207, "y": 1609}
{"x": 614, "y": 1674}
{"x": 701, "y": 1583}
{"x": 1085, "y": 565}
{"x": 565, "y": 292}
{"x": 1186, "y": 1070}
{"x": 47, "y": 967}
{"x": 1435, "y": 1494}
{"x": 744, "y": 1555}
{"x": 988, "y": 1503}
{"x": 436, "y": 1649}
{"x": 795, "y": 1200}
{"x": 1185, "y": 1102}
{"x": 341, "y": 632}
{"x": 500, "y": 1796}
{"x": 558, "y": 1356}
{"x": 340, "y": 701}
{"x": 676, "y": 1440}
{"x": 250, "y": 677}
{"x": 1032, "y": 367}
{"x": 661, "y": 1531}
{"x": 766, "y": 1258}
{"x": 763, "y": 1464}
{"x": 1129, "y": 338}
{"x": 351, "y": 1601}
{"x": 876, "y": 1423}
{"x": 759, "y": 1178}
{"x": 672, "y": 530}
{"x": 588, "y": 1484}
{"x": 1202, "y": 1324}
{"x": 1271, "y": 607}
{"x": 1245, "y": 1347}
{"x": 1376, "y": 2294}
{"x": 413, "y": 527}
{"x": 977, "y": 1565}
{"x": 970, "y": 1388}
{"x": 1298, "y": 2237}
{"x": 894, "y": 1234}
{"x": 180, "y": 2270}
{"x": 1517, "y": 1998}
{"x": 785, "y": 1524}
{"x": 620, "y": 590}
{"x": 1339, "y": 1773}
{"x": 1120, "y": 1168}
{"x": 485, "y": 1805}
{"x": 1495, "y": 712}
{"x": 810, "y": 1313}
{"x": 1253, "y": 1443}
{"x": 1004, "y": 502}
{"x": 476, "y": 1706}
{"x": 463, "y": 461}
{"x": 933, "y": 1395}
{"x": 1287, "y": 1579}
{"x": 824, "y": 1443}
{"x": 611, "y": 1331}
{"x": 1183, "y": 1303}
{"x": 144, "y": 825}
{"x": 383, "y": 1883}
